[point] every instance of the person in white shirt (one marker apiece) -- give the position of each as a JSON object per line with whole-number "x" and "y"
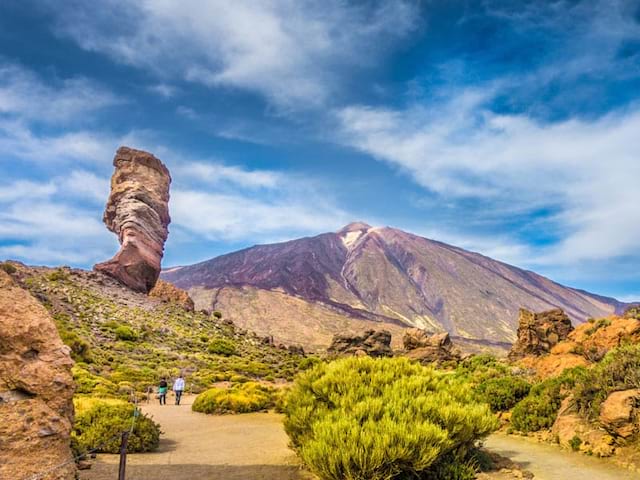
{"x": 178, "y": 388}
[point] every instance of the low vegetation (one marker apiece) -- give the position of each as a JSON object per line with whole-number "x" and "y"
{"x": 363, "y": 418}
{"x": 99, "y": 423}
{"x": 239, "y": 398}
{"x": 124, "y": 342}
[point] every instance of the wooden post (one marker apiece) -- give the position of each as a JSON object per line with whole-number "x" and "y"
{"x": 123, "y": 455}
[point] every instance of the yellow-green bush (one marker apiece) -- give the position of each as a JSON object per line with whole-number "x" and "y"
{"x": 374, "y": 419}
{"x": 222, "y": 346}
{"x": 240, "y": 398}
{"x": 126, "y": 333}
{"x": 99, "y": 422}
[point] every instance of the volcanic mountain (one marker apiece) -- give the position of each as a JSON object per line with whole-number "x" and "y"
{"x": 306, "y": 290}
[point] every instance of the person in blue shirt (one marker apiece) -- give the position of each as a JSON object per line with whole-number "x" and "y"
{"x": 178, "y": 388}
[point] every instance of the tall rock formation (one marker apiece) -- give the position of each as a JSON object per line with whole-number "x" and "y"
{"x": 138, "y": 212}
{"x": 538, "y": 333}
{"x": 36, "y": 389}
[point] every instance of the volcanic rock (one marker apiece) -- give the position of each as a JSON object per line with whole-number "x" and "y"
{"x": 168, "y": 292}
{"x": 538, "y": 333}
{"x": 138, "y": 212}
{"x": 428, "y": 348}
{"x": 619, "y": 413}
{"x": 372, "y": 343}
{"x": 36, "y": 389}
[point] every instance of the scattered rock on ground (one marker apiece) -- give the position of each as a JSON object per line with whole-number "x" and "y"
{"x": 138, "y": 212}
{"x": 372, "y": 343}
{"x": 36, "y": 389}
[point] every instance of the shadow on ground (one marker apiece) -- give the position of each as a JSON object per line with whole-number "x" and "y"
{"x": 104, "y": 471}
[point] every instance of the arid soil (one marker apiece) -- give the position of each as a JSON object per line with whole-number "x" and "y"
{"x": 207, "y": 447}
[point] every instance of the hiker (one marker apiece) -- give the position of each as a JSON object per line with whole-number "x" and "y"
{"x": 178, "y": 388}
{"x": 162, "y": 391}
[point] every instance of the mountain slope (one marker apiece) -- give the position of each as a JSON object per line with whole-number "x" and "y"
{"x": 366, "y": 275}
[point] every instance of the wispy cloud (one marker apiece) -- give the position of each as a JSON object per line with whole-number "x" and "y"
{"x": 462, "y": 149}
{"x": 24, "y": 95}
{"x": 286, "y": 50}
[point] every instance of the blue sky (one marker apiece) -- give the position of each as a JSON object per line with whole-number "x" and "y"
{"x": 505, "y": 127}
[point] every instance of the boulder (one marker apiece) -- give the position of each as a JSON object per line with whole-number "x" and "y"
{"x": 538, "y": 333}
{"x": 372, "y": 343}
{"x": 138, "y": 212}
{"x": 168, "y": 292}
{"x": 574, "y": 432}
{"x": 619, "y": 413}
{"x": 36, "y": 389}
{"x": 427, "y": 348}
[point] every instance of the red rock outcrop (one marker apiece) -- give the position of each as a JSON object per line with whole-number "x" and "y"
{"x": 372, "y": 343}
{"x": 538, "y": 333}
{"x": 428, "y": 348}
{"x": 168, "y": 292}
{"x": 138, "y": 212}
{"x": 36, "y": 389}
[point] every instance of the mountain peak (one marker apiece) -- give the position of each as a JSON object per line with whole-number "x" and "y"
{"x": 354, "y": 227}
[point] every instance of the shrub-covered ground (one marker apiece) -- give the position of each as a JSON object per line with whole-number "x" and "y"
{"x": 123, "y": 341}
{"x": 364, "y": 418}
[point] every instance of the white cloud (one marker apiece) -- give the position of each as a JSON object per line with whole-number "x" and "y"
{"x": 460, "y": 149}
{"x": 25, "y": 95}
{"x": 286, "y": 50}
{"x": 217, "y": 216}
{"x": 164, "y": 90}
{"x": 220, "y": 174}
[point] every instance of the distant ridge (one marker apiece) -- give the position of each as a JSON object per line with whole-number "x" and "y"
{"x": 307, "y": 289}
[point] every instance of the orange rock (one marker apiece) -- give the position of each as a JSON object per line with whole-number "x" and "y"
{"x": 619, "y": 414}
{"x": 36, "y": 389}
{"x": 168, "y": 292}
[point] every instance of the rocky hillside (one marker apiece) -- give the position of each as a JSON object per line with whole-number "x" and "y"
{"x": 306, "y": 290}
{"x": 123, "y": 340}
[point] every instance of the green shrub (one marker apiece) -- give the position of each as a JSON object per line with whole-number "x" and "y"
{"x": 87, "y": 382}
{"x": 98, "y": 423}
{"x": 126, "y": 334}
{"x": 540, "y": 408}
{"x": 618, "y": 370}
{"x": 222, "y": 346}
{"x": 58, "y": 275}
{"x": 374, "y": 419}
{"x": 217, "y": 314}
{"x": 503, "y": 393}
{"x": 308, "y": 362}
{"x": 8, "y": 268}
{"x": 575, "y": 443}
{"x": 241, "y": 398}
{"x": 480, "y": 368}
{"x": 80, "y": 348}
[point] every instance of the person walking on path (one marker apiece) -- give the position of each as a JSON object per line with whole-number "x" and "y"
{"x": 178, "y": 388}
{"x": 162, "y": 391}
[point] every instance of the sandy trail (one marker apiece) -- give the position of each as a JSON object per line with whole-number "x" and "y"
{"x": 253, "y": 446}
{"x": 549, "y": 462}
{"x": 195, "y": 446}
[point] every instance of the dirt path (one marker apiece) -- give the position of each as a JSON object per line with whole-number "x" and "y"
{"x": 253, "y": 446}
{"x": 548, "y": 462}
{"x": 195, "y": 446}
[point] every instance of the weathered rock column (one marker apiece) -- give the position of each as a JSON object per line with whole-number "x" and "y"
{"x": 36, "y": 389}
{"x": 138, "y": 212}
